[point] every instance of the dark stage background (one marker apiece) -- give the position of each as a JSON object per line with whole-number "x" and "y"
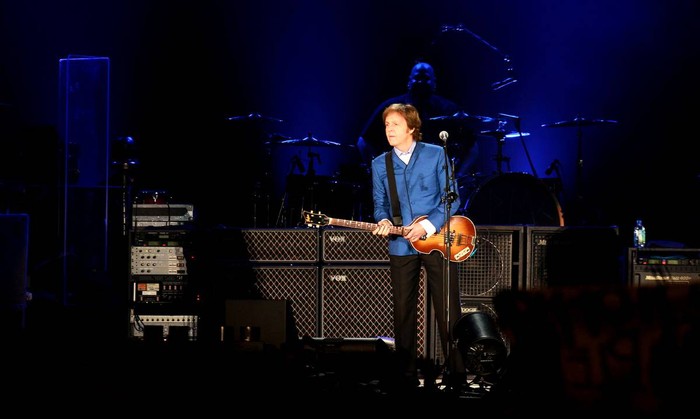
{"x": 179, "y": 70}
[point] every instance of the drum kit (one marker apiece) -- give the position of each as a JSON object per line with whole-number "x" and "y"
{"x": 503, "y": 198}
{"x": 512, "y": 198}
{"x": 306, "y": 173}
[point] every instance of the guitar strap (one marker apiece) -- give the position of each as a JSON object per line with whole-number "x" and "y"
{"x": 396, "y": 207}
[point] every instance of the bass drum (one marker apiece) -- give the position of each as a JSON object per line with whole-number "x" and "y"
{"x": 514, "y": 199}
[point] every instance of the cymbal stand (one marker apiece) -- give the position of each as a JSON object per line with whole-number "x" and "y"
{"x": 522, "y": 142}
{"x": 501, "y": 138}
{"x": 295, "y": 163}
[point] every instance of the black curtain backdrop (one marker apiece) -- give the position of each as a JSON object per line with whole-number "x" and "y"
{"x": 181, "y": 69}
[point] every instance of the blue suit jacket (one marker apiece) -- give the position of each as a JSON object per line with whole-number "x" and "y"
{"x": 420, "y": 185}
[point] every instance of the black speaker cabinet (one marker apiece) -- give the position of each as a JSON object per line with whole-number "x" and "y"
{"x": 356, "y": 302}
{"x": 575, "y": 255}
{"x": 299, "y": 285}
{"x": 495, "y": 265}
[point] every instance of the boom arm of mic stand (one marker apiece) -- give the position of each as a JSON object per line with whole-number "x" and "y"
{"x": 506, "y": 58}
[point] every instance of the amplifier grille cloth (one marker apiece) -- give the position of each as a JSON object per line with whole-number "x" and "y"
{"x": 342, "y": 245}
{"x": 357, "y": 303}
{"x": 490, "y": 268}
{"x": 281, "y": 245}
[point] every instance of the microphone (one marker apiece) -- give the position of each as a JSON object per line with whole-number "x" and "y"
{"x": 443, "y": 136}
{"x": 552, "y": 166}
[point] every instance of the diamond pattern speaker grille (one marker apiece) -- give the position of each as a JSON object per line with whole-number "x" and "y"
{"x": 357, "y": 303}
{"x": 281, "y": 245}
{"x": 494, "y": 265}
{"x": 297, "y": 284}
{"x": 341, "y": 245}
{"x": 554, "y": 255}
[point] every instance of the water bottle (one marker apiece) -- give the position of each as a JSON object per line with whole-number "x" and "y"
{"x": 640, "y": 235}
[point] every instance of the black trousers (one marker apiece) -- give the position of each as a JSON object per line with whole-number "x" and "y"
{"x": 405, "y": 282}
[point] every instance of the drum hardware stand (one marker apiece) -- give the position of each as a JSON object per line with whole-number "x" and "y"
{"x": 579, "y": 122}
{"x": 500, "y": 135}
{"x": 522, "y": 142}
{"x": 258, "y": 195}
{"x": 295, "y": 163}
{"x": 500, "y": 158}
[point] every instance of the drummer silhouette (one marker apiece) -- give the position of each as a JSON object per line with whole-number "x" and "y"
{"x": 421, "y": 93}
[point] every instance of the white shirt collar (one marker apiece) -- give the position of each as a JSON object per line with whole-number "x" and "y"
{"x": 405, "y": 156}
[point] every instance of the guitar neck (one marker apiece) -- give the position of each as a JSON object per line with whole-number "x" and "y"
{"x": 361, "y": 225}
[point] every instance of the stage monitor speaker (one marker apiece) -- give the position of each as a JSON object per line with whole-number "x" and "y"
{"x": 356, "y": 302}
{"x": 299, "y": 285}
{"x": 575, "y": 255}
{"x": 260, "y": 321}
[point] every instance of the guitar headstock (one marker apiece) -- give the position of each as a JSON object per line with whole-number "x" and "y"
{"x": 313, "y": 219}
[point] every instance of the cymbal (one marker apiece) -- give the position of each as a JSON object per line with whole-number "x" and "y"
{"x": 502, "y": 134}
{"x": 254, "y": 117}
{"x": 462, "y": 116}
{"x": 275, "y": 138}
{"x": 309, "y": 142}
{"x": 579, "y": 122}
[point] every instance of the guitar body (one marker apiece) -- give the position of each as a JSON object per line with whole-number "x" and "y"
{"x": 462, "y": 234}
{"x": 463, "y": 238}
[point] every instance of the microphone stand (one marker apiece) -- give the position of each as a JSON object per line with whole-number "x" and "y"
{"x": 450, "y": 197}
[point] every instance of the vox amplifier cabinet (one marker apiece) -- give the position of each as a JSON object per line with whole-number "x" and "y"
{"x": 663, "y": 266}
{"x": 495, "y": 265}
{"x": 162, "y": 327}
{"x": 281, "y": 245}
{"x": 151, "y": 260}
{"x": 341, "y": 245}
{"x": 261, "y": 246}
{"x": 357, "y": 303}
{"x": 161, "y": 215}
